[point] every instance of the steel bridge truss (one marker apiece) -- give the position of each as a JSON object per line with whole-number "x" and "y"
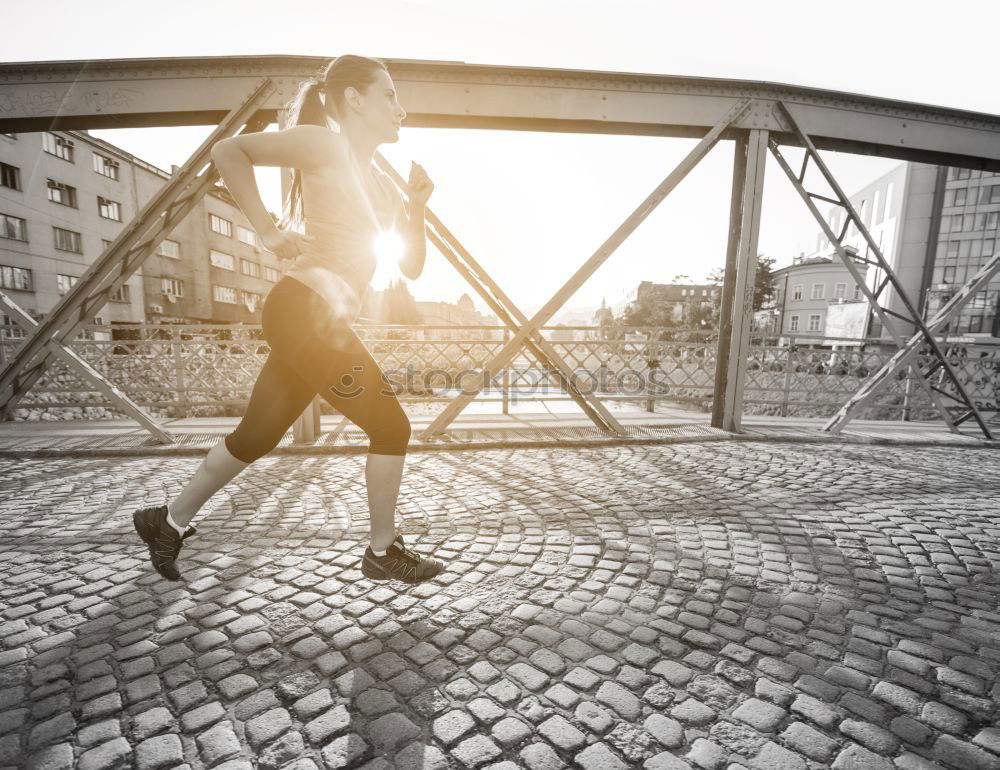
{"x": 120, "y": 260}
{"x": 759, "y": 117}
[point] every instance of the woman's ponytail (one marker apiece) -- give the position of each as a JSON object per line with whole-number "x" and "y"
{"x": 305, "y": 109}
{"x": 317, "y": 100}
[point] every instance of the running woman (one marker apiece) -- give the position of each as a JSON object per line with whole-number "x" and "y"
{"x": 344, "y": 203}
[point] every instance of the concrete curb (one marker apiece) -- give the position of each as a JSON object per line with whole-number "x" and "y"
{"x": 455, "y": 445}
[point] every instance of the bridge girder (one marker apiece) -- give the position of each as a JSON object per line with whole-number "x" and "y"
{"x": 129, "y": 93}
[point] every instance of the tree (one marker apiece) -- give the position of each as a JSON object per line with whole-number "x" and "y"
{"x": 763, "y": 289}
{"x": 653, "y": 307}
{"x": 397, "y": 306}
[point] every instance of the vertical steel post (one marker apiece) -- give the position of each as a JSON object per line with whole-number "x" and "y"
{"x": 506, "y": 375}
{"x": 746, "y": 270}
{"x": 787, "y": 387}
{"x": 729, "y": 278}
{"x": 179, "y": 384}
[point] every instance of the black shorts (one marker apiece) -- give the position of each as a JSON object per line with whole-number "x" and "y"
{"x": 312, "y": 352}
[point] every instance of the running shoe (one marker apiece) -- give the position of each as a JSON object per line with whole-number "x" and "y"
{"x": 163, "y": 541}
{"x": 399, "y": 563}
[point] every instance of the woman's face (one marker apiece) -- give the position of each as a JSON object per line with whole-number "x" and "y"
{"x": 380, "y": 109}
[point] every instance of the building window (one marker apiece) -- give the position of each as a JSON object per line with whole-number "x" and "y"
{"x": 221, "y": 260}
{"x": 220, "y": 225}
{"x": 814, "y": 321}
{"x": 857, "y": 291}
{"x": 56, "y": 145}
{"x": 818, "y": 290}
{"x": 10, "y": 176}
{"x": 169, "y": 248}
{"x": 121, "y": 294}
{"x": 67, "y": 240}
{"x": 793, "y": 323}
{"x": 988, "y": 246}
{"x": 251, "y": 300}
{"x": 65, "y": 282}
{"x": 172, "y": 287}
{"x": 270, "y": 274}
{"x": 13, "y": 227}
{"x": 10, "y": 330}
{"x": 249, "y": 268}
{"x": 839, "y": 290}
{"x": 995, "y": 193}
{"x": 224, "y": 294}
{"x": 109, "y": 209}
{"x": 975, "y": 324}
{"x": 15, "y": 278}
{"x": 797, "y": 292}
{"x": 246, "y": 236}
{"x": 949, "y": 274}
{"x": 961, "y": 195}
{"x": 106, "y": 166}
{"x": 992, "y": 219}
{"x": 62, "y": 194}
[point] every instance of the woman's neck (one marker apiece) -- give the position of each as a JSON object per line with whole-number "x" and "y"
{"x": 361, "y": 144}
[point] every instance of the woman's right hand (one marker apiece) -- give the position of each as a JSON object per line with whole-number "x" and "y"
{"x": 285, "y": 243}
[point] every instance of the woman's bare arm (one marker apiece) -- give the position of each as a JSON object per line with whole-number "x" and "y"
{"x": 415, "y": 238}
{"x": 419, "y": 189}
{"x": 301, "y": 147}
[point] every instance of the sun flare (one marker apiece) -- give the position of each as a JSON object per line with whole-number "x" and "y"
{"x": 389, "y": 249}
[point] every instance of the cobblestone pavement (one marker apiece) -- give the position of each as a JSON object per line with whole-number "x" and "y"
{"x": 727, "y": 605}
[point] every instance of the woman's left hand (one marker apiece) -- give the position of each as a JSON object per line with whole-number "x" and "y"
{"x": 420, "y": 185}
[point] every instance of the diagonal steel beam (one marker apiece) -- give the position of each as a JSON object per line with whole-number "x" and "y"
{"x": 902, "y": 356}
{"x": 592, "y": 264}
{"x": 915, "y": 317}
{"x": 114, "y": 394}
{"x": 453, "y": 250}
{"x": 126, "y": 254}
{"x": 859, "y": 279}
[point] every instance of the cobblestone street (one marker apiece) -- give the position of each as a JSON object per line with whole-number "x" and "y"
{"x": 778, "y": 606}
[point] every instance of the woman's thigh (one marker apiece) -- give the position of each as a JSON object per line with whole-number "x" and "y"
{"x": 278, "y": 397}
{"x": 351, "y": 381}
{"x": 333, "y": 360}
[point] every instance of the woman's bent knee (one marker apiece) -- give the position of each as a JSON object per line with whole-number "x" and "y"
{"x": 391, "y": 440}
{"x": 247, "y": 451}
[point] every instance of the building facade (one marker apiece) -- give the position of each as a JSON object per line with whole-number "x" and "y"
{"x": 965, "y": 233}
{"x": 936, "y": 226}
{"x": 805, "y": 292}
{"x": 679, "y": 301}
{"x": 461, "y": 313}
{"x": 66, "y": 195}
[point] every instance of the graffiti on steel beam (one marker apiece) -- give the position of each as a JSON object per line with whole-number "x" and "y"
{"x": 48, "y": 101}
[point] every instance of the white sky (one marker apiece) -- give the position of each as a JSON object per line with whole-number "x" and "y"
{"x": 532, "y": 207}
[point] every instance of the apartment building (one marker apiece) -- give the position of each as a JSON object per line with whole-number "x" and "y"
{"x": 936, "y": 226}
{"x": 965, "y": 233}
{"x": 805, "y": 292}
{"x": 66, "y": 195}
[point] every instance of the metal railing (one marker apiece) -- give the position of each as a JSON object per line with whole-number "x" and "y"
{"x": 209, "y": 369}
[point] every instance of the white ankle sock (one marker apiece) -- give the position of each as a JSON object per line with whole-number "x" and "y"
{"x": 383, "y": 553}
{"x": 216, "y": 470}
{"x": 180, "y": 530}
